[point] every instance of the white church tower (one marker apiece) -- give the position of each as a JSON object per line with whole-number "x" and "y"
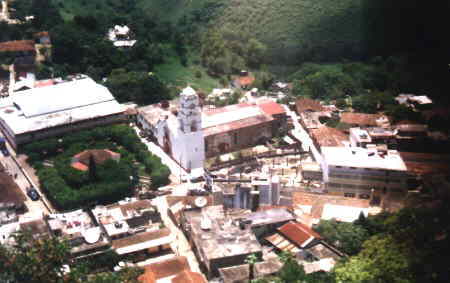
{"x": 191, "y": 153}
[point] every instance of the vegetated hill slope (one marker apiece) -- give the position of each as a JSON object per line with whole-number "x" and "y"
{"x": 294, "y": 30}
{"x": 300, "y": 30}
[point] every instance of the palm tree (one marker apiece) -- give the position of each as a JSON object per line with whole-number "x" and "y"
{"x": 251, "y": 260}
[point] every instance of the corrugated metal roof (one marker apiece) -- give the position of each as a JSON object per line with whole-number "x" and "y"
{"x": 60, "y": 97}
{"x": 282, "y": 243}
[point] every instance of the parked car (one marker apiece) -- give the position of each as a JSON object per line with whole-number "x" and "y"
{"x": 33, "y": 194}
{"x": 5, "y": 152}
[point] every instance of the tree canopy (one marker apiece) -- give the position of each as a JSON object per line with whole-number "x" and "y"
{"x": 38, "y": 260}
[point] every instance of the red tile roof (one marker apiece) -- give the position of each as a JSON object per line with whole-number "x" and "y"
{"x": 17, "y": 45}
{"x": 167, "y": 268}
{"x": 99, "y": 155}
{"x": 298, "y": 233}
{"x": 42, "y": 34}
{"x": 79, "y": 166}
{"x": 189, "y": 277}
{"x": 243, "y": 123}
{"x": 147, "y": 277}
{"x": 326, "y": 136}
{"x": 247, "y": 80}
{"x": 360, "y": 118}
{"x": 305, "y": 104}
{"x": 271, "y": 108}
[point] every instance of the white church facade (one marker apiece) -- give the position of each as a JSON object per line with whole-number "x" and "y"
{"x": 190, "y": 134}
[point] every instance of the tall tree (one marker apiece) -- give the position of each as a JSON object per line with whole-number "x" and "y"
{"x": 92, "y": 168}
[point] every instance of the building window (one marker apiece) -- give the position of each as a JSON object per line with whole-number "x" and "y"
{"x": 235, "y": 138}
{"x": 206, "y": 146}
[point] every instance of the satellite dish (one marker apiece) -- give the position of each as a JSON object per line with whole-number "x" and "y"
{"x": 200, "y": 202}
{"x": 91, "y": 236}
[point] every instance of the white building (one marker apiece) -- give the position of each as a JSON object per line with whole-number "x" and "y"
{"x": 190, "y": 134}
{"x": 180, "y": 135}
{"x": 44, "y": 112}
{"x": 356, "y": 171}
{"x": 121, "y": 36}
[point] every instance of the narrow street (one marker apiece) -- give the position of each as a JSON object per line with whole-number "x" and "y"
{"x": 34, "y": 207}
{"x": 181, "y": 245}
{"x": 177, "y": 171}
{"x": 13, "y": 166}
{"x": 301, "y": 134}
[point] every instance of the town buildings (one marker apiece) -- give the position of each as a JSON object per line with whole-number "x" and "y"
{"x": 77, "y": 104}
{"x": 218, "y": 241}
{"x": 356, "y": 171}
{"x": 190, "y": 133}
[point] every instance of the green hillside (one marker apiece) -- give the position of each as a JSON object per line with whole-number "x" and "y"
{"x": 294, "y": 30}
{"x": 300, "y": 30}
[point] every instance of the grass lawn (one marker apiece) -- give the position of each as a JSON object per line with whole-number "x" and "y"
{"x": 177, "y": 76}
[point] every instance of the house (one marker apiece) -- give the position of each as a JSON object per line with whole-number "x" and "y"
{"x": 365, "y": 120}
{"x": 311, "y": 207}
{"x": 78, "y": 104}
{"x": 308, "y": 105}
{"x": 81, "y": 160}
{"x": 310, "y": 111}
{"x": 306, "y": 244}
{"x": 36, "y": 225}
{"x": 84, "y": 234}
{"x": 357, "y": 171}
{"x": 133, "y": 226}
{"x": 217, "y": 240}
{"x": 174, "y": 270}
{"x": 121, "y": 36}
{"x": 327, "y": 136}
{"x": 414, "y": 101}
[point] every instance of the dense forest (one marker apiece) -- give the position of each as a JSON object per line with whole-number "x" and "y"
{"x": 205, "y": 42}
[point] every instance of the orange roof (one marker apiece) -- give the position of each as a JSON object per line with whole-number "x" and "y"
{"x": 169, "y": 267}
{"x": 360, "y": 118}
{"x": 147, "y": 277}
{"x": 99, "y": 155}
{"x": 299, "y": 233}
{"x": 326, "y": 136}
{"x": 271, "y": 108}
{"x": 247, "y": 80}
{"x": 44, "y": 83}
{"x": 17, "y": 45}
{"x": 42, "y": 34}
{"x": 188, "y": 277}
{"x": 305, "y": 104}
{"x": 79, "y": 166}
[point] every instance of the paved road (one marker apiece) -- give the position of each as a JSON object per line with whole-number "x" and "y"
{"x": 300, "y": 133}
{"x": 24, "y": 181}
{"x": 181, "y": 245}
{"x": 34, "y": 207}
{"x": 177, "y": 171}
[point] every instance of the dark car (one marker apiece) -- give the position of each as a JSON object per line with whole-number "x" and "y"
{"x": 5, "y": 152}
{"x": 33, "y": 194}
